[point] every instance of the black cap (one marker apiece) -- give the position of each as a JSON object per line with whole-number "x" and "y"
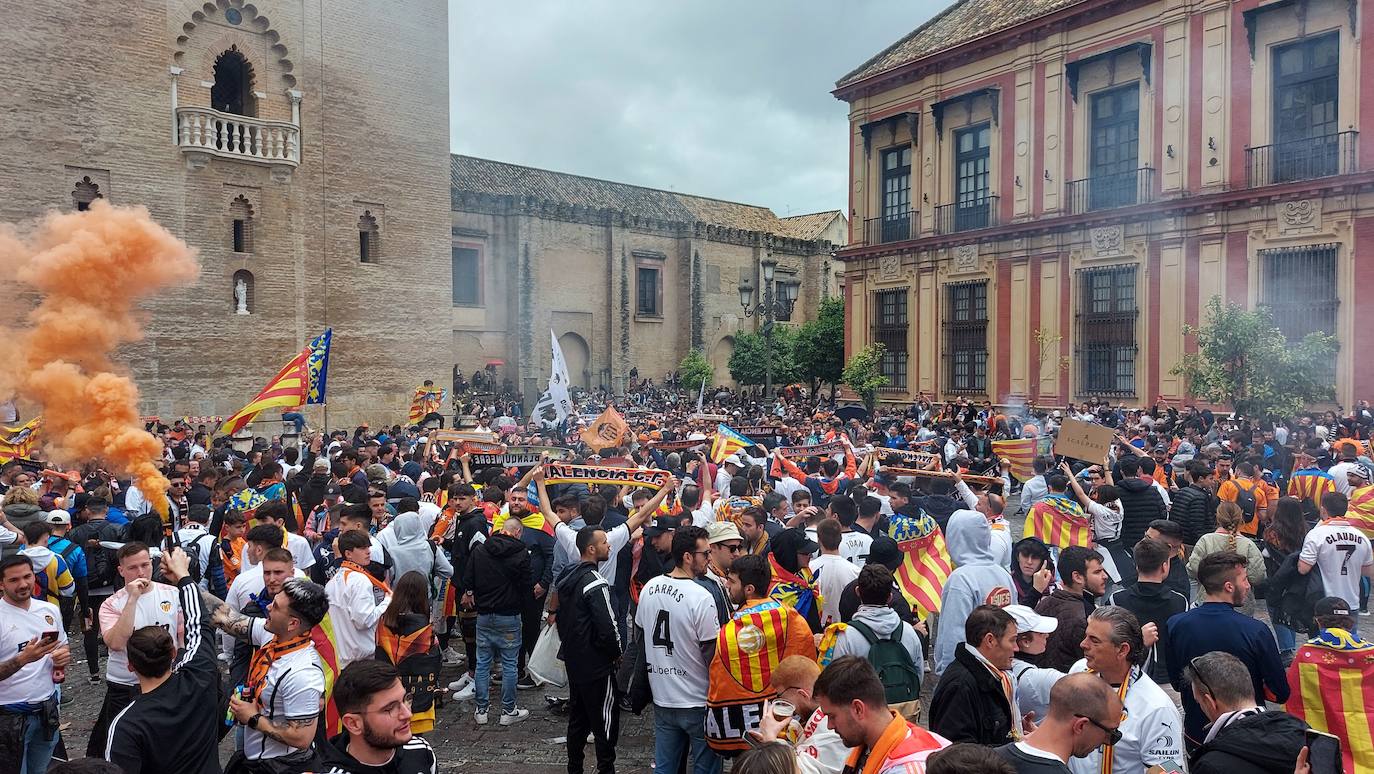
{"x": 794, "y": 540}
{"x": 333, "y": 490}
{"x": 884, "y": 551}
{"x": 665, "y": 524}
{"x": 1329, "y": 606}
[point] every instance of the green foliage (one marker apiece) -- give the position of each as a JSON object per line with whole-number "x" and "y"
{"x": 820, "y": 344}
{"x": 748, "y": 361}
{"x": 864, "y": 375}
{"x": 695, "y": 369}
{"x": 1244, "y": 360}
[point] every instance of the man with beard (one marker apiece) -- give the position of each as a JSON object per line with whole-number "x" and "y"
{"x": 252, "y": 592}
{"x": 760, "y": 625}
{"x": 31, "y": 629}
{"x": 1216, "y": 625}
{"x": 375, "y": 712}
{"x": 852, "y": 696}
{"x": 591, "y": 651}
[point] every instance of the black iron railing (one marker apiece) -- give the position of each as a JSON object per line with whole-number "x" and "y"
{"x": 966, "y": 216}
{"x": 1103, "y": 192}
{"x": 892, "y": 228}
{"x": 1321, "y": 156}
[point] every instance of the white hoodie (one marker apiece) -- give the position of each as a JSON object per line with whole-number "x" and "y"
{"x": 883, "y": 620}
{"x": 976, "y": 580}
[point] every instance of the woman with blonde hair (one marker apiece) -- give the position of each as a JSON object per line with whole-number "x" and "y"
{"x": 1227, "y": 537}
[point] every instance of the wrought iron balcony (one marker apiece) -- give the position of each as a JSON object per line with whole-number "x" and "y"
{"x": 1284, "y": 162}
{"x": 966, "y": 216}
{"x": 1104, "y": 192}
{"x": 232, "y": 136}
{"x": 892, "y": 228}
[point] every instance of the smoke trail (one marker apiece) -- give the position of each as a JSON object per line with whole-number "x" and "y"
{"x": 90, "y": 271}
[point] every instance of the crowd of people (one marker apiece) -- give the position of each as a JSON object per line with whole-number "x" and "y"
{"x": 778, "y": 608}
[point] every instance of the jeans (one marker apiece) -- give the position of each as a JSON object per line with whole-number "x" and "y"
{"x": 1287, "y": 640}
{"x": 497, "y": 634}
{"x": 676, "y": 728}
{"x": 296, "y": 418}
{"x": 37, "y": 750}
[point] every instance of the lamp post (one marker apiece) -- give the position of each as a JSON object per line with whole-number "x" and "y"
{"x": 771, "y": 306}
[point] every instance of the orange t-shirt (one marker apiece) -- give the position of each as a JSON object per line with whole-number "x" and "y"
{"x": 748, "y": 648}
{"x": 1229, "y": 491}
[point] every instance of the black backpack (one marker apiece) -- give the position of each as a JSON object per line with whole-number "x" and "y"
{"x": 892, "y": 661}
{"x": 194, "y": 549}
{"x": 101, "y": 566}
{"x": 1245, "y": 498}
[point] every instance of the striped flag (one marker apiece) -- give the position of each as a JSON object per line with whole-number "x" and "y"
{"x": 1332, "y": 688}
{"x": 1361, "y": 510}
{"x": 425, "y": 401}
{"x": 1058, "y": 520}
{"x": 300, "y": 381}
{"x": 19, "y": 441}
{"x": 1019, "y": 453}
{"x": 750, "y": 645}
{"x": 727, "y": 442}
{"x": 925, "y": 560}
{"x": 324, "y": 640}
{"x": 1310, "y": 484}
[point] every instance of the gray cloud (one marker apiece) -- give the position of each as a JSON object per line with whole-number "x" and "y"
{"x": 715, "y": 98}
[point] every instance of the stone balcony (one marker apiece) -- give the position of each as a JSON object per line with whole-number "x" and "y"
{"x": 203, "y": 133}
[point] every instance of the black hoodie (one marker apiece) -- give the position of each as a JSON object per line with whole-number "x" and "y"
{"x": 413, "y": 757}
{"x": 1140, "y": 505}
{"x": 498, "y": 575}
{"x": 1152, "y": 603}
{"x": 1263, "y": 742}
{"x": 586, "y": 624}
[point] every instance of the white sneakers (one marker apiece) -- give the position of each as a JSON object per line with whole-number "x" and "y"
{"x": 511, "y": 718}
{"x": 467, "y": 692}
{"x": 481, "y": 718}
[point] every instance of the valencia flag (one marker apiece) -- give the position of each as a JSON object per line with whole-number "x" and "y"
{"x": 1332, "y": 688}
{"x": 925, "y": 561}
{"x": 1058, "y": 520}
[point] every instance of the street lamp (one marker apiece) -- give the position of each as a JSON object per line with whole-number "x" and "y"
{"x": 771, "y": 306}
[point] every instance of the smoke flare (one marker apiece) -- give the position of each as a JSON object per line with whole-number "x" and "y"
{"x": 90, "y": 270}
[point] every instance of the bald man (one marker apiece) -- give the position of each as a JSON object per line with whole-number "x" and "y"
{"x": 1084, "y": 714}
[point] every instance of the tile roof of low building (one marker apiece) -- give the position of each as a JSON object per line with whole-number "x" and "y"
{"x": 496, "y": 178}
{"x": 811, "y": 225}
{"x": 960, "y": 23}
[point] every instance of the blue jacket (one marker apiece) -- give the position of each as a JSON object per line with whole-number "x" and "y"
{"x": 1218, "y": 626}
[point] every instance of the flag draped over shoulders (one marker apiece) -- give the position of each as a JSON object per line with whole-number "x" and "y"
{"x": 1360, "y": 513}
{"x": 1058, "y": 520}
{"x": 925, "y": 560}
{"x": 1332, "y": 689}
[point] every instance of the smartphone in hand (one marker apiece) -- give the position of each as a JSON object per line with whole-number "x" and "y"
{"x": 1323, "y": 752}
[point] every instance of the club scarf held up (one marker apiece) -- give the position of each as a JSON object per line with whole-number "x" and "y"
{"x": 91, "y": 270}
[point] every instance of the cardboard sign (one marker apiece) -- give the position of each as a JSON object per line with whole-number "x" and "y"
{"x": 563, "y": 473}
{"x": 816, "y": 449}
{"x": 1084, "y": 440}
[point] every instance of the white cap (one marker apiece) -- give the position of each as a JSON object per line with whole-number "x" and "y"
{"x": 1027, "y": 620}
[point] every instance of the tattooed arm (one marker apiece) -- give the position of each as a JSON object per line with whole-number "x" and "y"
{"x": 225, "y": 618}
{"x": 36, "y": 649}
{"x": 292, "y": 733}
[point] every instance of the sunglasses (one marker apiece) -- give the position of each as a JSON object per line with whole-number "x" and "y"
{"x": 1113, "y": 734}
{"x": 1197, "y": 673}
{"x": 734, "y": 549}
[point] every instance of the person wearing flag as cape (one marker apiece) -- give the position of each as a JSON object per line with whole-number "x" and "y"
{"x": 427, "y": 404}
{"x": 762, "y": 632}
{"x": 1331, "y": 681}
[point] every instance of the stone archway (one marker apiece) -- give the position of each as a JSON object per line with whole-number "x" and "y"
{"x": 578, "y": 357}
{"x": 720, "y": 359}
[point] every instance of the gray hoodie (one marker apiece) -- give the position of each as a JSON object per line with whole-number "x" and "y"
{"x": 882, "y": 620}
{"x": 977, "y": 580}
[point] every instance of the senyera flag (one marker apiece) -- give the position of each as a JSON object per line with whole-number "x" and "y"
{"x": 727, "y": 442}
{"x": 300, "y": 382}
{"x": 925, "y": 561}
{"x": 1360, "y": 512}
{"x": 1332, "y": 689}
{"x": 1058, "y": 520}
{"x": 1020, "y": 453}
{"x": 19, "y": 441}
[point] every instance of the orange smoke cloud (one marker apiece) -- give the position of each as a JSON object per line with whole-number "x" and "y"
{"x": 90, "y": 270}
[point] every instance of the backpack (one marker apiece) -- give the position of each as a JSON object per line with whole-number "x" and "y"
{"x": 890, "y": 658}
{"x": 194, "y": 552}
{"x": 1245, "y": 498}
{"x": 101, "y": 566}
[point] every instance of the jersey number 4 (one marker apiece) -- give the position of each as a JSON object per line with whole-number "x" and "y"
{"x": 663, "y": 632}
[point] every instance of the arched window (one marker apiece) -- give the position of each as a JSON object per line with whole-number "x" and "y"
{"x": 369, "y": 238}
{"x": 243, "y": 292}
{"x": 242, "y": 235}
{"x": 85, "y": 192}
{"x": 233, "y": 89}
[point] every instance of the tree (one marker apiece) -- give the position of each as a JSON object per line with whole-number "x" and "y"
{"x": 695, "y": 369}
{"x": 1244, "y": 360}
{"x": 820, "y": 346}
{"x": 749, "y": 360}
{"x": 864, "y": 375}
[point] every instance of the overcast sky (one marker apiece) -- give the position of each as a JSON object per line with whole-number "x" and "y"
{"x": 723, "y": 98}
